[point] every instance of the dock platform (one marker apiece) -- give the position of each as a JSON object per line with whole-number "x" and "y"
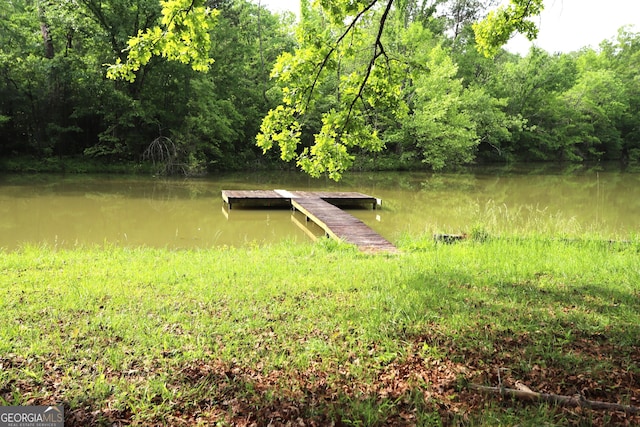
{"x": 324, "y": 209}
{"x": 282, "y": 198}
{"x": 255, "y": 198}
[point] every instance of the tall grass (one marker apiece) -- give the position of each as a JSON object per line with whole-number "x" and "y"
{"x": 528, "y": 220}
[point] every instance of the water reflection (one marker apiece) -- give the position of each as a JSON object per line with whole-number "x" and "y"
{"x": 179, "y": 213}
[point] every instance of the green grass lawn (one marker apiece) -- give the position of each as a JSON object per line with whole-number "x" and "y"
{"x": 315, "y": 334}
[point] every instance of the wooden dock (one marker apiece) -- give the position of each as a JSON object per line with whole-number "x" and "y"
{"x": 255, "y": 199}
{"x": 282, "y": 198}
{"x": 324, "y": 209}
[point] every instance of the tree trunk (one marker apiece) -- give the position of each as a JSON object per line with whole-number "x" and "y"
{"x": 46, "y": 35}
{"x": 48, "y": 41}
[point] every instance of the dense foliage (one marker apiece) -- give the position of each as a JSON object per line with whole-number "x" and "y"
{"x": 378, "y": 84}
{"x": 187, "y": 115}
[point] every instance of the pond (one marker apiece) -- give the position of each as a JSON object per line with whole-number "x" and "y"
{"x": 65, "y": 211}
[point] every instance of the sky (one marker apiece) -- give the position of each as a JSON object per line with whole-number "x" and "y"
{"x": 565, "y": 25}
{"x": 568, "y": 25}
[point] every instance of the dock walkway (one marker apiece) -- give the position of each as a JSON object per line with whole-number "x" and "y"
{"x": 324, "y": 209}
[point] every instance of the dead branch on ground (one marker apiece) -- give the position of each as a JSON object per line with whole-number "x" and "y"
{"x": 525, "y": 393}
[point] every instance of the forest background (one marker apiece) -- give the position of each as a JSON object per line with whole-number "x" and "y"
{"x": 458, "y": 106}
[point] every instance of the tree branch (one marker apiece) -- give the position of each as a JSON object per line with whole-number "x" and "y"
{"x": 377, "y": 52}
{"x": 101, "y": 19}
{"x": 525, "y": 393}
{"x": 335, "y": 47}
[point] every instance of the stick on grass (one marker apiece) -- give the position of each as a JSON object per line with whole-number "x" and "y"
{"x": 524, "y": 393}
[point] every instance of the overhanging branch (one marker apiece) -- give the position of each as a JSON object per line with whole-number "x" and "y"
{"x": 378, "y": 50}
{"x": 335, "y": 47}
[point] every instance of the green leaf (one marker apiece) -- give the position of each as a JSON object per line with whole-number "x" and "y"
{"x": 183, "y": 37}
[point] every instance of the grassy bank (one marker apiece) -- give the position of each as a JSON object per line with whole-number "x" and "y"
{"x": 315, "y": 334}
{"x": 71, "y": 165}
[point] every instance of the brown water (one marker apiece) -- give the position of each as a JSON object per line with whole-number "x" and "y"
{"x": 67, "y": 210}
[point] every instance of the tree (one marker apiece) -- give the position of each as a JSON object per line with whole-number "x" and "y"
{"x": 444, "y": 131}
{"x": 365, "y": 84}
{"x": 533, "y": 87}
{"x": 336, "y": 36}
{"x": 63, "y": 104}
{"x": 225, "y": 105}
{"x": 500, "y": 24}
{"x": 35, "y": 71}
{"x": 375, "y": 85}
{"x": 461, "y": 14}
{"x": 600, "y": 98}
{"x": 622, "y": 56}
